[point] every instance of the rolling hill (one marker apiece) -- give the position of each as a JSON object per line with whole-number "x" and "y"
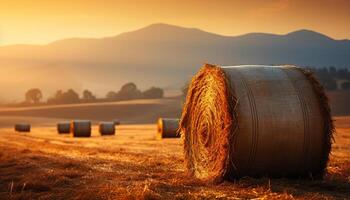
{"x": 159, "y": 54}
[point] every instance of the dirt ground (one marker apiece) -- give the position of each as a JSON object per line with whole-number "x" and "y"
{"x": 134, "y": 165}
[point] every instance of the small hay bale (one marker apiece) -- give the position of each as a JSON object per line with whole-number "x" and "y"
{"x": 256, "y": 121}
{"x": 63, "y": 127}
{"x": 107, "y": 128}
{"x": 22, "y": 127}
{"x": 81, "y": 128}
{"x": 167, "y": 128}
{"x": 116, "y": 122}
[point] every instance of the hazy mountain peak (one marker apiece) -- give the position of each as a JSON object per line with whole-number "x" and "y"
{"x": 167, "y": 31}
{"x": 162, "y": 26}
{"x": 308, "y": 34}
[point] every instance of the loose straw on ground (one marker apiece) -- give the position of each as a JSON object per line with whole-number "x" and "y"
{"x": 256, "y": 121}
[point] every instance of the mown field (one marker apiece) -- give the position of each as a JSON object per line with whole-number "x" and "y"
{"x": 134, "y": 165}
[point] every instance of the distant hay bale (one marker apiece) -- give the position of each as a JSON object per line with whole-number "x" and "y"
{"x": 81, "y": 128}
{"x": 22, "y": 127}
{"x": 63, "y": 127}
{"x": 167, "y": 128}
{"x": 107, "y": 128}
{"x": 255, "y": 121}
{"x": 116, "y": 122}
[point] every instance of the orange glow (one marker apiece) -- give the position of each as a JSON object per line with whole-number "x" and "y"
{"x": 41, "y": 21}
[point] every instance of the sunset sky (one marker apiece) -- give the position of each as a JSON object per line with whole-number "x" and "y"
{"x": 43, "y": 21}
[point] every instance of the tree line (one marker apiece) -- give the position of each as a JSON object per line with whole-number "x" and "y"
{"x": 333, "y": 78}
{"x": 128, "y": 91}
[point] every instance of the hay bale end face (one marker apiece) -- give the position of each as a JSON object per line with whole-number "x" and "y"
{"x": 167, "y": 128}
{"x": 107, "y": 128}
{"x": 64, "y": 127}
{"x": 116, "y": 122}
{"x": 22, "y": 127}
{"x": 81, "y": 128}
{"x": 255, "y": 121}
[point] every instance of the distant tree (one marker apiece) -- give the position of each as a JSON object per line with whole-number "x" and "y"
{"x": 111, "y": 95}
{"x": 332, "y": 70}
{"x": 71, "y": 96}
{"x": 129, "y": 91}
{"x": 342, "y": 73}
{"x": 153, "y": 93}
{"x": 329, "y": 84}
{"x": 57, "y": 98}
{"x": 33, "y": 95}
{"x": 345, "y": 85}
{"x": 88, "y": 96}
{"x": 328, "y": 76}
{"x": 59, "y": 93}
{"x": 64, "y": 97}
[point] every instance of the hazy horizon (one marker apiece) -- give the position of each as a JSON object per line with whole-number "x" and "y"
{"x": 102, "y": 45}
{"x": 160, "y": 23}
{"x": 42, "y": 22}
{"x": 167, "y": 61}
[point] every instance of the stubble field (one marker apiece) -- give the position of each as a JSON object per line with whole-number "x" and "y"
{"x": 134, "y": 165}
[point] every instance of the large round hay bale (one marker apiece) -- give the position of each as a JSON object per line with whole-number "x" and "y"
{"x": 81, "y": 128}
{"x": 107, "y": 128}
{"x": 63, "y": 127}
{"x": 167, "y": 128}
{"x": 22, "y": 127}
{"x": 256, "y": 121}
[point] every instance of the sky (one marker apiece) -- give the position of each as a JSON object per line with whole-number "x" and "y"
{"x": 44, "y": 21}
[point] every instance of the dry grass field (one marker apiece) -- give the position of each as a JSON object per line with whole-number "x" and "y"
{"x": 134, "y": 165}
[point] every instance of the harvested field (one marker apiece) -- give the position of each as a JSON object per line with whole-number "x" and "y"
{"x": 134, "y": 165}
{"x": 129, "y": 112}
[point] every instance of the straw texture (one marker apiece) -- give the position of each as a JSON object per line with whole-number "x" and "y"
{"x": 255, "y": 121}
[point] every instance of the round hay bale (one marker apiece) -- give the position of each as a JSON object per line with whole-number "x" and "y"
{"x": 116, "y": 122}
{"x": 256, "y": 121}
{"x": 63, "y": 127}
{"x": 81, "y": 128}
{"x": 107, "y": 128}
{"x": 167, "y": 128}
{"x": 22, "y": 127}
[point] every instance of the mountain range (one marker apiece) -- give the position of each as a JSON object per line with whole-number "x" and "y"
{"x": 160, "y": 55}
